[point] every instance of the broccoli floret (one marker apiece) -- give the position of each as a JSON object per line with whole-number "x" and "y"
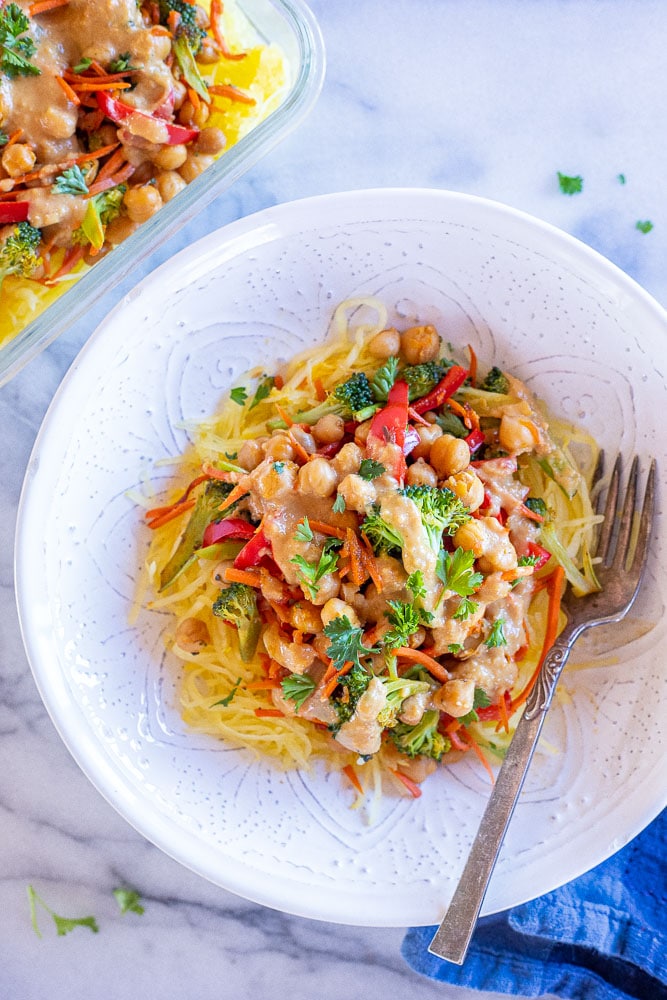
{"x": 423, "y": 739}
{"x": 346, "y": 696}
{"x": 237, "y": 605}
{"x": 205, "y": 510}
{"x": 187, "y": 25}
{"x": 440, "y": 509}
{"x": 422, "y": 378}
{"x": 382, "y": 536}
{"x": 352, "y": 399}
{"x": 397, "y": 690}
{"x": 496, "y": 381}
{"x": 19, "y": 252}
{"x": 538, "y": 506}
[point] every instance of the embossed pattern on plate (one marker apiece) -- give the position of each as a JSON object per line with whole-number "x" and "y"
{"x": 528, "y": 298}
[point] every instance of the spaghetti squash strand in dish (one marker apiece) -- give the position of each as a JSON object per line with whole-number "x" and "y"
{"x": 365, "y": 555}
{"x": 109, "y": 108}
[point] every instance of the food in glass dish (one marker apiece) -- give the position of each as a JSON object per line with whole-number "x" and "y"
{"x": 366, "y": 551}
{"x": 109, "y": 108}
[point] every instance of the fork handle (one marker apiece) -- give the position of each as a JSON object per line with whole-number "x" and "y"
{"x": 453, "y": 936}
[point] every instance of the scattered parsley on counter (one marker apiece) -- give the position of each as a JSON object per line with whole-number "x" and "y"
{"x": 570, "y": 185}
{"x": 129, "y": 901}
{"x": 63, "y": 924}
{"x": 644, "y": 227}
{"x": 621, "y": 178}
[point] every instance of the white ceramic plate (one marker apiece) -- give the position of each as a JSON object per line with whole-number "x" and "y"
{"x": 527, "y": 297}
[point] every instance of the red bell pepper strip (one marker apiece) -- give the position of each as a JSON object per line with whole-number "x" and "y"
{"x": 230, "y": 527}
{"x": 119, "y": 113}
{"x": 542, "y": 555}
{"x": 445, "y": 388}
{"x": 13, "y": 211}
{"x": 389, "y": 424}
{"x": 254, "y": 551}
{"x": 475, "y": 439}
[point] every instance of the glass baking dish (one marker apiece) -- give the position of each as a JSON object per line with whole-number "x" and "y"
{"x": 291, "y": 26}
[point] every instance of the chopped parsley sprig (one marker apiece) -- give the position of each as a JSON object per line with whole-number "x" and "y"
{"x": 16, "y": 49}
{"x": 312, "y": 572}
{"x": 347, "y": 644}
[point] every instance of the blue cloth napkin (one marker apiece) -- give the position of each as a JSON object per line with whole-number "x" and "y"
{"x": 601, "y": 937}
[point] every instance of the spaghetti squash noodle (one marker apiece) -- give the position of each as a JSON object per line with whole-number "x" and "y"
{"x": 365, "y": 554}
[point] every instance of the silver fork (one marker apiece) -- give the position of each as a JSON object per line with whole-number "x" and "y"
{"x": 620, "y": 573}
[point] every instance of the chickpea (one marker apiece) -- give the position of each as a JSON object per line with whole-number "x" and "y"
{"x": 143, "y": 202}
{"x": 427, "y": 436}
{"x": 517, "y": 434}
{"x": 317, "y": 478}
{"x": 357, "y": 493}
{"x": 180, "y": 93}
{"x": 188, "y": 114}
{"x": 419, "y": 344}
{"x": 275, "y": 480}
{"x": 329, "y": 429}
{"x": 250, "y": 455}
{"x": 471, "y": 536}
{"x": 348, "y": 459}
{"x": 304, "y": 438}
{"x": 192, "y": 636}
{"x": 209, "y": 53}
{"x": 468, "y": 487}
{"x": 59, "y": 123}
{"x": 279, "y": 448}
{"x": 420, "y": 473}
{"x": 305, "y": 617}
{"x": 119, "y": 229}
{"x": 335, "y": 608}
{"x": 455, "y": 697}
{"x": 385, "y": 344}
{"x": 327, "y": 588}
{"x": 169, "y": 183}
{"x": 194, "y": 166}
{"x": 362, "y": 431}
{"x": 106, "y": 134}
{"x": 211, "y": 140}
{"x": 170, "y": 157}
{"x": 449, "y": 455}
{"x": 490, "y": 543}
{"x": 18, "y": 159}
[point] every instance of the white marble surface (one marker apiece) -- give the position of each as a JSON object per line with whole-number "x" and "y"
{"x": 490, "y": 97}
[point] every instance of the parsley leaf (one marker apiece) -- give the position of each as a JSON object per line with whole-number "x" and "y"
{"x": 227, "y": 700}
{"x": 304, "y": 533}
{"x": 570, "y": 185}
{"x": 415, "y": 583}
{"x": 239, "y": 395}
{"x": 496, "y": 636}
{"x": 71, "y": 181}
{"x": 82, "y": 66}
{"x": 346, "y": 642}
{"x": 15, "y": 50}
{"x": 527, "y": 560}
{"x": 263, "y": 390}
{"x": 121, "y": 64}
{"x": 4, "y": 138}
{"x": 620, "y": 178}
{"x": 128, "y": 901}
{"x": 456, "y": 572}
{"x": 339, "y": 504}
{"x": 480, "y": 700}
{"x": 312, "y": 573}
{"x": 454, "y": 648}
{"x": 63, "y": 924}
{"x": 279, "y": 467}
{"x": 297, "y": 687}
{"x": 465, "y": 609}
{"x": 370, "y": 469}
{"x": 644, "y": 227}
{"x": 404, "y": 619}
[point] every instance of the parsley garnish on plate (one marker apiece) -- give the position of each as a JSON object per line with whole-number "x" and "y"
{"x": 63, "y": 924}
{"x": 304, "y": 532}
{"x": 239, "y": 395}
{"x": 570, "y": 185}
{"x": 339, "y": 504}
{"x": 263, "y": 390}
{"x": 227, "y": 700}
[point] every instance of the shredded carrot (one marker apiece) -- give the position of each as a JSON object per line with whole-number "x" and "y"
{"x": 284, "y": 416}
{"x": 358, "y": 571}
{"x": 70, "y": 94}
{"x": 532, "y": 515}
{"x": 216, "y": 15}
{"x": 211, "y": 472}
{"x": 103, "y": 85}
{"x": 278, "y": 381}
{"x": 233, "y": 575}
{"x": 327, "y": 529}
{"x": 554, "y": 586}
{"x": 332, "y": 684}
{"x": 351, "y": 776}
{"x": 472, "y": 367}
{"x": 417, "y": 417}
{"x": 265, "y": 685}
{"x": 371, "y": 565}
{"x": 194, "y": 98}
{"x": 460, "y": 411}
{"x": 452, "y": 726}
{"x": 14, "y": 137}
{"x": 433, "y": 667}
{"x": 42, "y": 6}
{"x": 173, "y": 21}
{"x": 70, "y": 260}
{"x": 165, "y": 508}
{"x": 115, "y": 162}
{"x": 169, "y": 515}
{"x": 320, "y": 391}
{"x": 231, "y": 92}
{"x": 504, "y": 722}
{"x": 457, "y": 742}
{"x": 300, "y": 451}
{"x": 480, "y": 753}
{"x": 297, "y": 636}
{"x": 237, "y": 492}
{"x": 269, "y": 713}
{"x": 412, "y": 786}
{"x": 274, "y": 668}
